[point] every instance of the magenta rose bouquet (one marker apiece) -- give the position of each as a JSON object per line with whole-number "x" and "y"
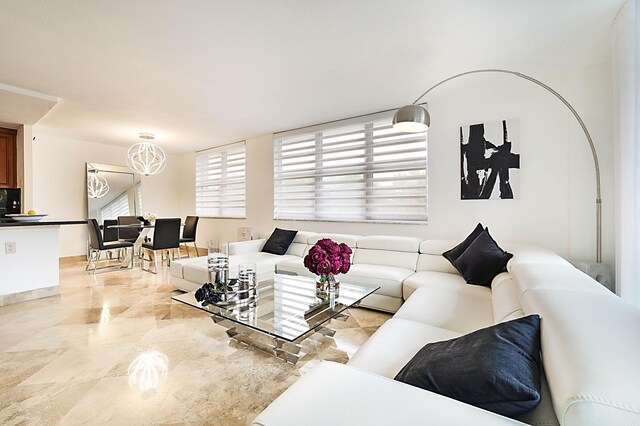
{"x": 326, "y": 259}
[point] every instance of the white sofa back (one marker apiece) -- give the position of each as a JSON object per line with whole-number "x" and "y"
{"x": 399, "y": 252}
{"x": 431, "y": 259}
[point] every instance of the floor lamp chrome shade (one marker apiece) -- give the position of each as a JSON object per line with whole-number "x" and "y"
{"x": 415, "y": 118}
{"x": 97, "y": 186}
{"x": 411, "y": 119}
{"x": 146, "y": 158}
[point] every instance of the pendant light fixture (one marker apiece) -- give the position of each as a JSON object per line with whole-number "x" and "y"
{"x": 146, "y": 158}
{"x": 97, "y": 186}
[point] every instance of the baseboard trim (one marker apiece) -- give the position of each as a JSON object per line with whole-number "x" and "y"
{"x": 67, "y": 260}
{"x": 24, "y": 296}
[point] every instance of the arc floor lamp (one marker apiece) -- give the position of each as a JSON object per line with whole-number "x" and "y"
{"x": 415, "y": 118}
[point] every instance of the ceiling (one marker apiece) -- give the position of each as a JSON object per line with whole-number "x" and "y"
{"x": 200, "y": 73}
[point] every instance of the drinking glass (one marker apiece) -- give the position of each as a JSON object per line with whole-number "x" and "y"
{"x": 218, "y": 263}
{"x": 247, "y": 282}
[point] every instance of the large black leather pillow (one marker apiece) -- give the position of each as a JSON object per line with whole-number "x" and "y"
{"x": 279, "y": 241}
{"x": 453, "y": 254}
{"x": 495, "y": 368}
{"x": 482, "y": 260}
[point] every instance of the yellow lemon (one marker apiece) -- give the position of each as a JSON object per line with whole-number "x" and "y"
{"x": 31, "y": 212}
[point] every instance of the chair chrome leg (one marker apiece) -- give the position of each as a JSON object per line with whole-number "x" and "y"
{"x": 97, "y": 261}
{"x": 195, "y": 247}
{"x": 90, "y": 260}
{"x": 155, "y": 262}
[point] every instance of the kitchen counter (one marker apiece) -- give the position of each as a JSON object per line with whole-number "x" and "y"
{"x": 13, "y": 223}
{"x": 29, "y": 259}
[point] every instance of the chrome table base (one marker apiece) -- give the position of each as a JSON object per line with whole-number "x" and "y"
{"x": 288, "y": 351}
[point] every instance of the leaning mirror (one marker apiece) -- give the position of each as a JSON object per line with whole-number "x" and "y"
{"x": 112, "y": 191}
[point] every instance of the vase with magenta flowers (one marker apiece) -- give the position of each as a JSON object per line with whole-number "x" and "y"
{"x": 326, "y": 259}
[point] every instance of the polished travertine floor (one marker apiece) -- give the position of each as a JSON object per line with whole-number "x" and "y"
{"x": 94, "y": 353}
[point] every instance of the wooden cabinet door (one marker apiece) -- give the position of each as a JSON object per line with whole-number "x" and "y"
{"x": 8, "y": 163}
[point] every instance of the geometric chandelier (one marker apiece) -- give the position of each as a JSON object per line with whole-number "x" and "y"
{"x": 97, "y": 186}
{"x": 145, "y": 157}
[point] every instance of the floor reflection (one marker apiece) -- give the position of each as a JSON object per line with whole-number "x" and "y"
{"x": 148, "y": 370}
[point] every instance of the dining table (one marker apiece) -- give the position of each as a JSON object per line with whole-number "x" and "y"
{"x": 145, "y": 229}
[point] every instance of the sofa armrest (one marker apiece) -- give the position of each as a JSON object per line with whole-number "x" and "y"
{"x": 338, "y": 394}
{"x": 245, "y": 247}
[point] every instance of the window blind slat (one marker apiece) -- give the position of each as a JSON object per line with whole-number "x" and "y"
{"x": 221, "y": 181}
{"x": 361, "y": 171}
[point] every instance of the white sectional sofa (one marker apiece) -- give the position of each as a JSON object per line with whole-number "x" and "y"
{"x": 590, "y": 338}
{"x": 386, "y": 261}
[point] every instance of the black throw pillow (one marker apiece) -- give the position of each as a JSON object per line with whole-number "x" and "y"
{"x": 482, "y": 260}
{"x": 279, "y": 241}
{"x": 453, "y": 254}
{"x": 495, "y": 368}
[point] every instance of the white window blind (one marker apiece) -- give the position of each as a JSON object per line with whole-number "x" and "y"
{"x": 359, "y": 170}
{"x": 139, "y": 199}
{"x": 220, "y": 182}
{"x": 118, "y": 207}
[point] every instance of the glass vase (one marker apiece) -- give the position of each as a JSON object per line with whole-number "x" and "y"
{"x": 326, "y": 286}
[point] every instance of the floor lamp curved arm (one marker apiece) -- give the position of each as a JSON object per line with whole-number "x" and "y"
{"x": 415, "y": 118}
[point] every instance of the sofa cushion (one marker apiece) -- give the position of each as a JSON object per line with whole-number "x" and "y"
{"x": 279, "y": 241}
{"x": 440, "y": 280}
{"x": 482, "y": 260}
{"x": 299, "y": 245}
{"x": 177, "y": 266}
{"x": 454, "y": 253}
{"x": 388, "y": 242}
{"x": 398, "y": 259}
{"x": 448, "y": 309}
{"x": 435, "y": 262}
{"x": 388, "y": 278}
{"x": 356, "y": 397}
{"x": 381, "y": 302}
{"x": 293, "y": 265}
{"x": 496, "y": 368}
{"x": 394, "y": 344}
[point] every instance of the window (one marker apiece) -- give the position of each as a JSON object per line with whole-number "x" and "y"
{"x": 118, "y": 207}
{"x": 359, "y": 170}
{"x": 220, "y": 182}
{"x": 139, "y": 198}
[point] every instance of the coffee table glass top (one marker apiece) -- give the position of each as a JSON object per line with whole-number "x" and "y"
{"x": 286, "y": 306}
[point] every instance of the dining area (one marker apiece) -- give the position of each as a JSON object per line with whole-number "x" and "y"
{"x": 120, "y": 236}
{"x": 132, "y": 241}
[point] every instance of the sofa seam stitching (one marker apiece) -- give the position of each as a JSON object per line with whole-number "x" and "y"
{"x": 599, "y": 400}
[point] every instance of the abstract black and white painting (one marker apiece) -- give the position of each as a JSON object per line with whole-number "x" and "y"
{"x": 489, "y": 167}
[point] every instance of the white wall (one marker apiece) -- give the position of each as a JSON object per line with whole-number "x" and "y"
{"x": 59, "y": 184}
{"x": 625, "y": 42}
{"x": 555, "y": 205}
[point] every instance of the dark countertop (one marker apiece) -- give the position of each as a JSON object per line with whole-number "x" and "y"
{"x": 13, "y": 223}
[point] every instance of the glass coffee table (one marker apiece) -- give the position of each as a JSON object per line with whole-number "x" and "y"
{"x": 285, "y": 312}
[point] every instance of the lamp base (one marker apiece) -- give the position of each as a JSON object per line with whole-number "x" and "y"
{"x": 598, "y": 271}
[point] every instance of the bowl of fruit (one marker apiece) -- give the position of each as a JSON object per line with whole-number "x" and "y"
{"x": 31, "y": 216}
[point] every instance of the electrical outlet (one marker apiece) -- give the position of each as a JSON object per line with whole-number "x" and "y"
{"x": 10, "y": 248}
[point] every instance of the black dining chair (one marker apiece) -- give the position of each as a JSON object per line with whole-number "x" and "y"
{"x": 166, "y": 238}
{"x": 110, "y": 234}
{"x": 128, "y": 234}
{"x": 97, "y": 246}
{"x": 189, "y": 233}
